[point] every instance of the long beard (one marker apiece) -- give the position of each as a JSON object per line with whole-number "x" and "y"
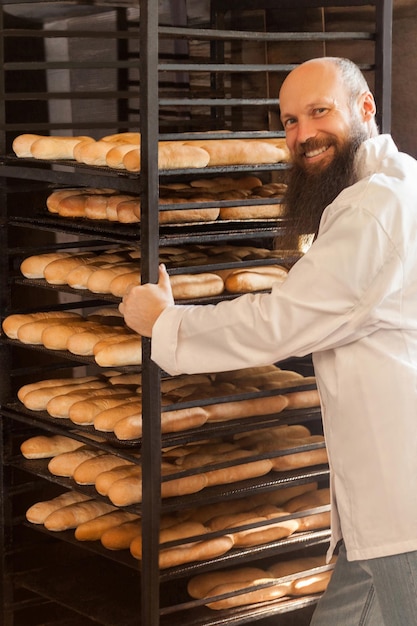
{"x": 311, "y": 190}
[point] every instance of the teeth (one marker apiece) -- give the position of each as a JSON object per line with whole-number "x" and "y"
{"x": 314, "y": 153}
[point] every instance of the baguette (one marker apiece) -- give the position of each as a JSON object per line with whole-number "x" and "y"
{"x": 255, "y": 278}
{"x": 38, "y": 512}
{"x": 106, "y": 479}
{"x": 197, "y": 551}
{"x": 65, "y": 464}
{"x": 200, "y": 586}
{"x": 93, "y": 529}
{"x": 85, "y": 411}
{"x": 171, "y": 155}
{"x": 58, "y": 406}
{"x": 196, "y": 285}
{"x": 125, "y": 352}
{"x": 22, "y": 145}
{"x": 106, "y": 419}
{"x": 12, "y": 323}
{"x": 37, "y": 400}
{"x": 56, "y": 147}
{"x": 72, "y": 515}
{"x": 52, "y": 382}
{"x": 42, "y": 446}
{"x": 34, "y": 266}
{"x": 246, "y": 408}
{"x": 120, "y": 537}
{"x": 86, "y": 473}
{"x": 240, "y": 152}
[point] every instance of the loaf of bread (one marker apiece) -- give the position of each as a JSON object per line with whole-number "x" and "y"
{"x": 66, "y": 463}
{"x": 47, "y": 147}
{"x": 72, "y": 515}
{"x": 59, "y": 406}
{"x": 34, "y": 266}
{"x": 38, "y": 398}
{"x": 86, "y": 473}
{"x": 240, "y": 151}
{"x": 120, "y": 537}
{"x": 52, "y": 382}
{"x": 106, "y": 479}
{"x": 171, "y": 155}
{"x": 106, "y": 419}
{"x": 85, "y": 411}
{"x": 12, "y": 323}
{"x": 38, "y": 512}
{"x": 46, "y": 446}
{"x": 255, "y": 278}
{"x": 94, "y": 529}
{"x": 124, "y": 352}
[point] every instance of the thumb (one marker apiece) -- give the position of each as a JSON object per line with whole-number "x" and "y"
{"x": 163, "y": 278}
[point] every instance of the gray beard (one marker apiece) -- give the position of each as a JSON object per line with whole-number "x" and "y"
{"x": 310, "y": 191}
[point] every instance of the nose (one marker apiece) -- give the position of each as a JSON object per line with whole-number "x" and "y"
{"x": 305, "y": 130}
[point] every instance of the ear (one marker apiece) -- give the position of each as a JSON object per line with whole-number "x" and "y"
{"x": 367, "y": 107}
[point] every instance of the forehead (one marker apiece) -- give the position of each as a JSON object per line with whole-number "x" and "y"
{"x": 311, "y": 84}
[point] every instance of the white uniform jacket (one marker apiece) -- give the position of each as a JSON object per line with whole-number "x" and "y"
{"x": 351, "y": 301}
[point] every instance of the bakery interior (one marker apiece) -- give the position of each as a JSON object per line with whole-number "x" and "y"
{"x": 131, "y": 498}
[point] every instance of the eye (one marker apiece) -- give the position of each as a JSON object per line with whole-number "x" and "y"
{"x": 289, "y": 122}
{"x": 320, "y": 111}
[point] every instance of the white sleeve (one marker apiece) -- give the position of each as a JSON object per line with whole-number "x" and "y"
{"x": 330, "y": 297}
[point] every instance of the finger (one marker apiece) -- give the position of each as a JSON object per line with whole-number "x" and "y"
{"x": 163, "y": 280}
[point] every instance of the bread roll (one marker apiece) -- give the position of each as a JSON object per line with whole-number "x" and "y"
{"x": 239, "y": 472}
{"x": 126, "y": 352}
{"x": 93, "y": 529}
{"x": 56, "y": 272}
{"x": 84, "y": 411}
{"x": 93, "y": 153}
{"x": 200, "y": 586}
{"x": 38, "y": 512}
{"x": 119, "y": 284}
{"x": 106, "y": 419}
{"x": 58, "y": 406}
{"x": 65, "y": 464}
{"x": 128, "y": 211}
{"x": 34, "y": 266}
{"x": 106, "y": 479}
{"x": 72, "y": 515}
{"x": 122, "y": 138}
{"x": 186, "y": 286}
{"x": 43, "y": 446}
{"x": 86, "y": 473}
{"x": 303, "y": 399}
{"x": 120, "y": 537}
{"x": 114, "y": 157}
{"x": 37, "y": 400}
{"x": 83, "y": 343}
{"x": 56, "y": 147}
{"x": 22, "y": 144}
{"x": 112, "y": 204}
{"x": 246, "y": 408}
{"x": 171, "y": 155}
{"x": 56, "y": 336}
{"x": 255, "y": 278}
{"x": 100, "y": 281}
{"x": 12, "y": 323}
{"x": 240, "y": 151}
{"x": 252, "y": 211}
{"x": 52, "y": 382}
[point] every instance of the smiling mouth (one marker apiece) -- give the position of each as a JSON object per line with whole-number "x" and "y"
{"x": 313, "y": 153}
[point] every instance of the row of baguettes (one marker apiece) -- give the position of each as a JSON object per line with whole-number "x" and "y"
{"x": 111, "y": 205}
{"x": 119, "y": 481}
{"x": 114, "y": 271}
{"x": 113, "y": 403}
{"x": 122, "y": 151}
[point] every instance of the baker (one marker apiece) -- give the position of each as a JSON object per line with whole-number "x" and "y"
{"x": 351, "y": 301}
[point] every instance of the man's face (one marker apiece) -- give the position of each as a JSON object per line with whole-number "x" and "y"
{"x": 316, "y": 114}
{"x": 323, "y": 135}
